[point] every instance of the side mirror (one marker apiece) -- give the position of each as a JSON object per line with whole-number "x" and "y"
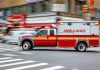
{"x": 36, "y": 35}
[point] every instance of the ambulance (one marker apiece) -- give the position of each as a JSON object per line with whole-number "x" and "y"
{"x": 74, "y": 34}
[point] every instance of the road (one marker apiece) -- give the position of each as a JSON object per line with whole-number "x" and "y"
{"x": 13, "y": 58}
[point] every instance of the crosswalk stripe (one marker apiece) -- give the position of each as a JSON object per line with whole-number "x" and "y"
{"x": 2, "y": 50}
{"x": 12, "y": 64}
{"x": 8, "y": 54}
{"x": 28, "y": 66}
{"x": 53, "y": 68}
{"x": 5, "y": 58}
{"x": 10, "y": 60}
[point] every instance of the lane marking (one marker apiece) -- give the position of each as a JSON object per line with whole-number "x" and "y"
{"x": 10, "y": 60}
{"x": 12, "y": 64}
{"x": 25, "y": 53}
{"x": 5, "y": 58}
{"x": 2, "y": 50}
{"x": 8, "y": 54}
{"x": 28, "y": 66}
{"x": 53, "y": 68}
{"x": 5, "y": 49}
{"x": 15, "y": 48}
{"x": 8, "y": 49}
{"x": 75, "y": 69}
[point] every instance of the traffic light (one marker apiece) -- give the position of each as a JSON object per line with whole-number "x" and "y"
{"x": 84, "y": 8}
{"x": 91, "y": 8}
{"x": 91, "y": 5}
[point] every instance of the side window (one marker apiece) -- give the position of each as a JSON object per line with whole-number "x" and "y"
{"x": 10, "y": 33}
{"x": 88, "y": 23}
{"x": 32, "y": 33}
{"x": 69, "y": 23}
{"x": 51, "y": 32}
{"x": 42, "y": 33}
{"x": 21, "y": 33}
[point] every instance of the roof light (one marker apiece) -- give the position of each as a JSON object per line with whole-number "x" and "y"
{"x": 97, "y": 23}
{"x": 47, "y": 27}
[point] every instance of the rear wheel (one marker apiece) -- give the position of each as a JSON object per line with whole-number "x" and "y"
{"x": 81, "y": 47}
{"x": 27, "y": 45}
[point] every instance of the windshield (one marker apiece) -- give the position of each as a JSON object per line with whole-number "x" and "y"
{"x": 10, "y": 33}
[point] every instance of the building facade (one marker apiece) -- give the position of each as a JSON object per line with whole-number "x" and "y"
{"x": 69, "y": 8}
{"x": 97, "y": 9}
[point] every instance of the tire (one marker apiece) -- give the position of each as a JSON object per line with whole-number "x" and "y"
{"x": 27, "y": 46}
{"x": 81, "y": 47}
{"x": 76, "y": 49}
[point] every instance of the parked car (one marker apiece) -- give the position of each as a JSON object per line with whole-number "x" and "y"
{"x": 13, "y": 36}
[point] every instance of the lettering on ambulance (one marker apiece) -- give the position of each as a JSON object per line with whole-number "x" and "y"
{"x": 72, "y": 31}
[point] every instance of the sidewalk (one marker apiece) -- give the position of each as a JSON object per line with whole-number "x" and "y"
{"x": 94, "y": 49}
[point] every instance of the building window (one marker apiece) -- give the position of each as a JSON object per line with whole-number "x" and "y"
{"x": 42, "y": 6}
{"x": 78, "y": 6}
{"x": 45, "y": 6}
{"x": 36, "y": 7}
{"x": 97, "y": 14}
{"x": 67, "y": 3}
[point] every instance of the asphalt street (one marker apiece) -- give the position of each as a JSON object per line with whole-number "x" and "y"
{"x": 13, "y": 58}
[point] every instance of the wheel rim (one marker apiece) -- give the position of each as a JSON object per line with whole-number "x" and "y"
{"x": 26, "y": 45}
{"x": 81, "y": 47}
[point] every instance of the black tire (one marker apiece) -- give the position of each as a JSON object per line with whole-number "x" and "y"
{"x": 76, "y": 49}
{"x": 27, "y": 45}
{"x": 81, "y": 47}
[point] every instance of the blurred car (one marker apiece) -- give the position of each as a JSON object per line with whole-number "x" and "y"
{"x": 1, "y": 36}
{"x": 13, "y": 36}
{"x": 3, "y": 22}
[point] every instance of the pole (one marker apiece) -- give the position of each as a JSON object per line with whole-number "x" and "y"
{"x": 99, "y": 33}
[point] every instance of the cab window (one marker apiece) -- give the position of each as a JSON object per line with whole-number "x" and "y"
{"x": 21, "y": 33}
{"x": 51, "y": 32}
{"x": 10, "y": 33}
{"x": 42, "y": 33}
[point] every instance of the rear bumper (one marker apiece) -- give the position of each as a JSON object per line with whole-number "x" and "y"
{"x": 12, "y": 42}
{"x": 19, "y": 43}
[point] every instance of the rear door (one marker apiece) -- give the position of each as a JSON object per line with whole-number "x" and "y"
{"x": 94, "y": 41}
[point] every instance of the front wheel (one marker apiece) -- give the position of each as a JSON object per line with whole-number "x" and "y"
{"x": 27, "y": 45}
{"x": 81, "y": 47}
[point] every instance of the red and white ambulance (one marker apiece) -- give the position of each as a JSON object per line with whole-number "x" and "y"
{"x": 77, "y": 34}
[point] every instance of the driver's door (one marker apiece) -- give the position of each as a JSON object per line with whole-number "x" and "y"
{"x": 41, "y": 38}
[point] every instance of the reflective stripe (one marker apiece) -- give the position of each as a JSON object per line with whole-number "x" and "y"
{"x": 74, "y": 38}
